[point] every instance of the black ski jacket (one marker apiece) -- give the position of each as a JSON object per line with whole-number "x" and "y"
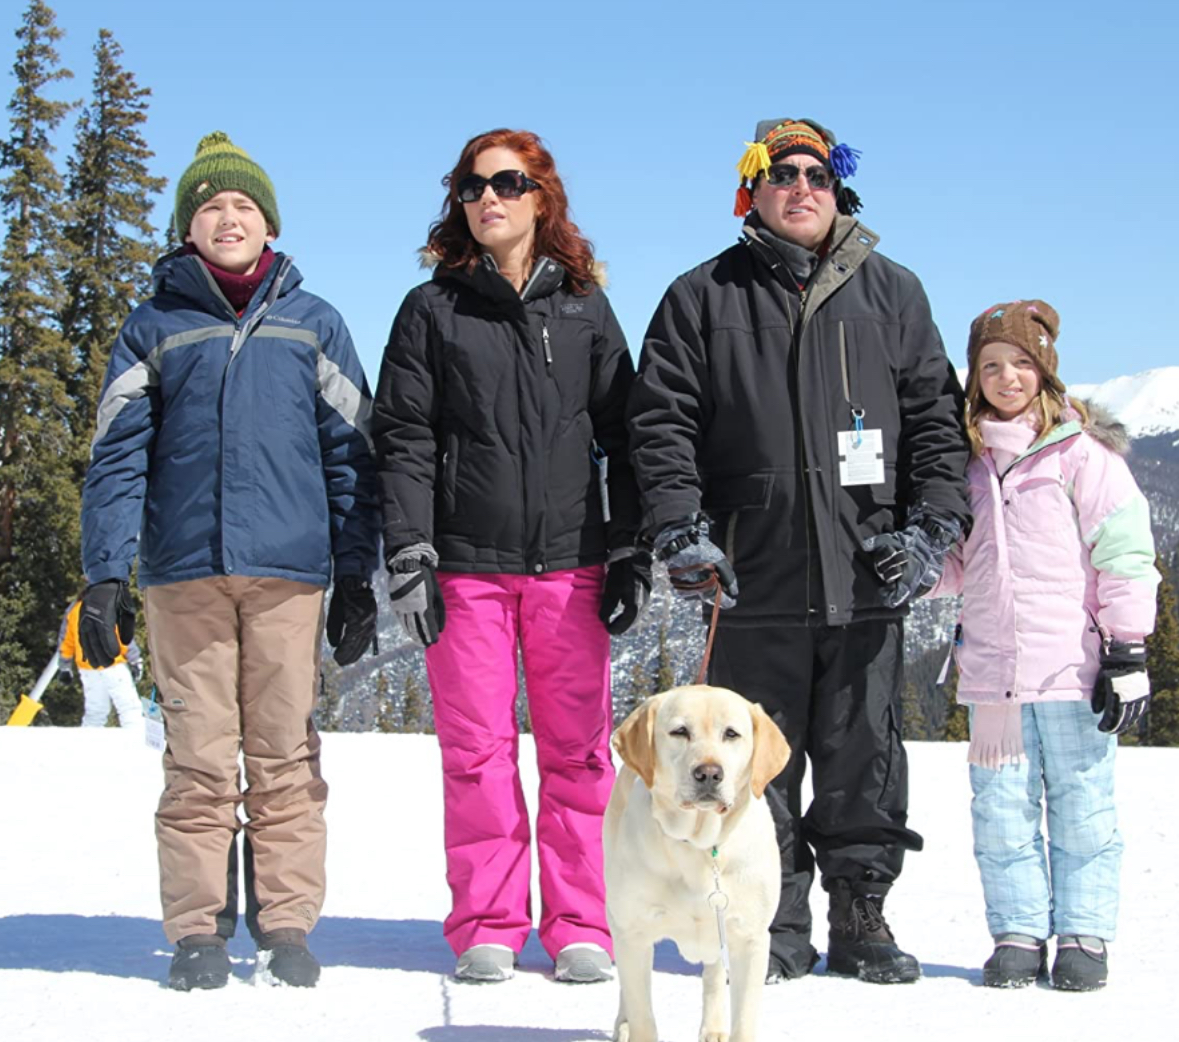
{"x": 488, "y": 409}
{"x": 744, "y": 384}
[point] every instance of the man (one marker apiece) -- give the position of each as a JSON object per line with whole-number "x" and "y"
{"x": 795, "y": 389}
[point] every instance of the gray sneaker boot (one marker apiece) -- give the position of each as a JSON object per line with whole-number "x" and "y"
{"x": 1081, "y": 963}
{"x": 486, "y": 964}
{"x": 1017, "y": 961}
{"x": 583, "y": 964}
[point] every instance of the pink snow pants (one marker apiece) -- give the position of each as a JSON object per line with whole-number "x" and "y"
{"x": 553, "y": 619}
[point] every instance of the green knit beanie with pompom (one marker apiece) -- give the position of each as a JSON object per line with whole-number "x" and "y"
{"x": 220, "y": 166}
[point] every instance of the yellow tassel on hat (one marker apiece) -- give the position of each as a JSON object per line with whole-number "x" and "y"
{"x": 756, "y": 160}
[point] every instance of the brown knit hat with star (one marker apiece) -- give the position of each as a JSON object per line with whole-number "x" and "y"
{"x": 1030, "y": 324}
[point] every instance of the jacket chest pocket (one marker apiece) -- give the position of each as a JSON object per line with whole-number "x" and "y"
{"x": 866, "y": 372}
{"x": 568, "y": 357}
{"x": 1040, "y": 503}
{"x": 288, "y": 401}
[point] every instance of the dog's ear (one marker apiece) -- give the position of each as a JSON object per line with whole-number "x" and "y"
{"x": 770, "y": 750}
{"x": 634, "y": 740}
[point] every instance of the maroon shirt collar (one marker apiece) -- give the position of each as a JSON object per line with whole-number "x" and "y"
{"x": 238, "y": 289}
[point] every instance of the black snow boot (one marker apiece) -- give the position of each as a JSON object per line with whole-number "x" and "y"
{"x": 860, "y": 944}
{"x": 1017, "y": 961}
{"x": 200, "y": 961}
{"x": 283, "y": 955}
{"x": 1081, "y": 964}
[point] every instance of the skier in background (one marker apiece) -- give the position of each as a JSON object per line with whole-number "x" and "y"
{"x": 101, "y": 686}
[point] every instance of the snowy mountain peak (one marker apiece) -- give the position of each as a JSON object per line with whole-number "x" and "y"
{"x": 1147, "y": 403}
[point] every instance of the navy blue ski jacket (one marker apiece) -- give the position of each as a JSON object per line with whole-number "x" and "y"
{"x": 231, "y": 446}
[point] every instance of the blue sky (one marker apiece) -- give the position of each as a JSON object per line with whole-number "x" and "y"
{"x": 1009, "y": 149}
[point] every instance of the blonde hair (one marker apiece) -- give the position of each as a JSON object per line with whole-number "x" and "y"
{"x": 1050, "y": 407}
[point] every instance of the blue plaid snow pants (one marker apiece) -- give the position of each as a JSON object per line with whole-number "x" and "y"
{"x": 1070, "y": 885}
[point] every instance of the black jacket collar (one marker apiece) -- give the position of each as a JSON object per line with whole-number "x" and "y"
{"x": 485, "y": 279}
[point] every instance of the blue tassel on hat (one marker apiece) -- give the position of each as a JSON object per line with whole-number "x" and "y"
{"x": 844, "y": 160}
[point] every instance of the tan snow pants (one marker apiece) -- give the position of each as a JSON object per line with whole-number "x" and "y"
{"x": 236, "y": 663}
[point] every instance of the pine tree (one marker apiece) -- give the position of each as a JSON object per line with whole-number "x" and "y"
{"x": 327, "y": 706}
{"x": 957, "y": 715}
{"x": 412, "y": 709}
{"x": 39, "y": 493}
{"x": 385, "y": 721}
{"x": 1162, "y": 663}
{"x": 638, "y": 692}
{"x": 913, "y": 724}
{"x": 665, "y": 669}
{"x": 523, "y": 713}
{"x": 109, "y": 236}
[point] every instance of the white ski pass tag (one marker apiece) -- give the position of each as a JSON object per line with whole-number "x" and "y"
{"x": 945, "y": 670}
{"x": 153, "y": 724}
{"x": 861, "y": 457}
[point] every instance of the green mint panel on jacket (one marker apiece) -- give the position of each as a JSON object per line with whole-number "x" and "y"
{"x": 744, "y": 385}
{"x": 488, "y": 407}
{"x": 239, "y": 446}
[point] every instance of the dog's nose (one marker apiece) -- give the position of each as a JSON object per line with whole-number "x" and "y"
{"x": 708, "y": 773}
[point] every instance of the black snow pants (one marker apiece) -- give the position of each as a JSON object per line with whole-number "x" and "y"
{"x": 836, "y": 694}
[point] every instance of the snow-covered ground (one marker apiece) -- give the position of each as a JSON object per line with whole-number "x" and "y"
{"x": 82, "y": 955}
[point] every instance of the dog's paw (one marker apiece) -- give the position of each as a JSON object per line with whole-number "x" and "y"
{"x": 707, "y": 1035}
{"x": 622, "y": 1032}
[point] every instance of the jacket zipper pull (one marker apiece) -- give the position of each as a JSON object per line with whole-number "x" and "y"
{"x": 544, "y": 335}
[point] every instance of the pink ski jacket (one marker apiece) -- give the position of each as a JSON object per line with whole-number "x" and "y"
{"x": 1062, "y": 537}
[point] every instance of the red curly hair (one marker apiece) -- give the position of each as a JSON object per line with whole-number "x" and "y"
{"x": 555, "y": 235}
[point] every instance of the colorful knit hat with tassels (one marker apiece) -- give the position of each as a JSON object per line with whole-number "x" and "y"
{"x": 776, "y": 138}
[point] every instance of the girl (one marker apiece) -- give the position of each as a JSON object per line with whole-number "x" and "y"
{"x": 499, "y": 429}
{"x": 1059, "y": 582}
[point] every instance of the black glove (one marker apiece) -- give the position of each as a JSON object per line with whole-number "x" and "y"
{"x": 909, "y": 562}
{"x": 416, "y": 596}
{"x": 352, "y": 618}
{"x": 692, "y": 559}
{"x": 65, "y": 676}
{"x": 105, "y": 607}
{"x": 1122, "y": 694}
{"x": 627, "y": 589}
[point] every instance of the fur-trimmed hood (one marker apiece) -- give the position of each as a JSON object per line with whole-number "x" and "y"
{"x": 1106, "y": 428}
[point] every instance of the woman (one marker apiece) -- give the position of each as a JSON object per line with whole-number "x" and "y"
{"x": 510, "y": 517}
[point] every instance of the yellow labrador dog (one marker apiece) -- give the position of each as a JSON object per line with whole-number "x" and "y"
{"x": 686, "y": 832}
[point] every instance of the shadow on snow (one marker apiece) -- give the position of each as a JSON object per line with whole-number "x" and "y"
{"x": 133, "y": 947}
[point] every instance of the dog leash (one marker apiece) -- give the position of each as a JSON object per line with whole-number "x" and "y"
{"x": 711, "y": 582}
{"x": 702, "y": 675}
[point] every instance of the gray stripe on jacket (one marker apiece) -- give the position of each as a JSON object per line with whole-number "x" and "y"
{"x": 133, "y": 384}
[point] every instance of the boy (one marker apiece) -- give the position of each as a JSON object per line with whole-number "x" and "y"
{"x": 232, "y": 454}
